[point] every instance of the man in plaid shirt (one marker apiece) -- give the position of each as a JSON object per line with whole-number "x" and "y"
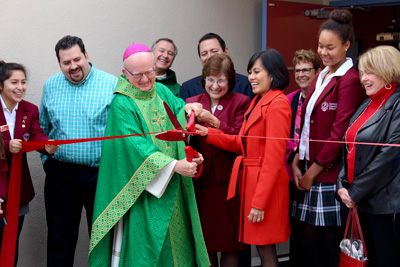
{"x": 75, "y": 104}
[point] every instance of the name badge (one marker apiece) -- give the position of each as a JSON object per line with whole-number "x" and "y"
{"x": 4, "y": 128}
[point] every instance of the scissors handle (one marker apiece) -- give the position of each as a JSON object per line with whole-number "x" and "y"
{"x": 190, "y": 154}
{"x": 190, "y": 126}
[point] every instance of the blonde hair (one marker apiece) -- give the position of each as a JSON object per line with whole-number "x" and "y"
{"x": 383, "y": 61}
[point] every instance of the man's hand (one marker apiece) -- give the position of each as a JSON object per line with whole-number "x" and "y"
{"x": 15, "y": 145}
{"x": 185, "y": 168}
{"x": 198, "y": 160}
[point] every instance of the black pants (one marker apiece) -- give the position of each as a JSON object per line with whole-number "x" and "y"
{"x": 382, "y": 238}
{"x": 68, "y": 188}
{"x": 20, "y": 224}
{"x": 296, "y": 254}
{"x": 319, "y": 245}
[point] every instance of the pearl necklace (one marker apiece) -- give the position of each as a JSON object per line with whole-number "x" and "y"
{"x": 355, "y": 136}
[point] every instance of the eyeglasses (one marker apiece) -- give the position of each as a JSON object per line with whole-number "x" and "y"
{"x": 304, "y": 71}
{"x": 220, "y": 82}
{"x": 138, "y": 75}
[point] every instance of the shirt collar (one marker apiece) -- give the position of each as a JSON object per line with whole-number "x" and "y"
{"x": 5, "y": 107}
{"x": 162, "y": 77}
{"x": 348, "y": 64}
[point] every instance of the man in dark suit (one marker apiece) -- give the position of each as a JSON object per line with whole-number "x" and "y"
{"x": 211, "y": 44}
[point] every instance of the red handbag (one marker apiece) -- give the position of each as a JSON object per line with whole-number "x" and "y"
{"x": 356, "y": 233}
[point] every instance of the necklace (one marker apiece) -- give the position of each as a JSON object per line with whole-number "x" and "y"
{"x": 355, "y": 135}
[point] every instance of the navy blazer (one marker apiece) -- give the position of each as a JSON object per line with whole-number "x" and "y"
{"x": 27, "y": 128}
{"x": 193, "y": 87}
{"x": 230, "y": 111}
{"x": 329, "y": 120}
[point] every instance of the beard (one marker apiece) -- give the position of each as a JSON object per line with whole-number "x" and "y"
{"x": 76, "y": 78}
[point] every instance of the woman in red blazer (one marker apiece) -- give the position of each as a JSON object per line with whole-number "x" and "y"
{"x": 19, "y": 120}
{"x": 260, "y": 170}
{"x": 223, "y": 110}
{"x": 333, "y": 98}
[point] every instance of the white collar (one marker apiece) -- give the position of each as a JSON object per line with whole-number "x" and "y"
{"x": 162, "y": 77}
{"x": 348, "y": 64}
{"x": 5, "y": 107}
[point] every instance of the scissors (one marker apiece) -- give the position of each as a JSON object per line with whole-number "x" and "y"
{"x": 178, "y": 135}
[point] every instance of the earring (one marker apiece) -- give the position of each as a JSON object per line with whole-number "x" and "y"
{"x": 272, "y": 79}
{"x": 388, "y": 86}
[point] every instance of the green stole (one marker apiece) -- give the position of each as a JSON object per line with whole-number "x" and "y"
{"x": 157, "y": 232}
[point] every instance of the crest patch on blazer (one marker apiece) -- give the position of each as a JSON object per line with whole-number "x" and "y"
{"x": 324, "y": 106}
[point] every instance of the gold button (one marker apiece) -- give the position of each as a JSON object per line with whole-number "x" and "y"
{"x": 312, "y": 121}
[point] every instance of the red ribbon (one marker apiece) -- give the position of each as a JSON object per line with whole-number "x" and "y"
{"x": 11, "y": 229}
{"x": 9, "y": 242}
{"x": 14, "y": 189}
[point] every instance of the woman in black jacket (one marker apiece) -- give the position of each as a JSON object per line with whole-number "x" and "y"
{"x": 370, "y": 174}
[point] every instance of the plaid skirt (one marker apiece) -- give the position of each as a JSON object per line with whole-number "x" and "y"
{"x": 318, "y": 206}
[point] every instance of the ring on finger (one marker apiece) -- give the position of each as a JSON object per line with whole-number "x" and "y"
{"x": 258, "y": 219}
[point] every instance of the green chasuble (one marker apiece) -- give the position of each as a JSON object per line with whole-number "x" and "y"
{"x": 157, "y": 232}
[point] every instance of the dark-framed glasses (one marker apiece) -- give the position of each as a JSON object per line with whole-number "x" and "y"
{"x": 304, "y": 71}
{"x": 138, "y": 75}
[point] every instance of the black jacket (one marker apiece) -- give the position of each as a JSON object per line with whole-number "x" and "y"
{"x": 376, "y": 185}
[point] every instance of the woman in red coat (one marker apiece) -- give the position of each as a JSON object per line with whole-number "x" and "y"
{"x": 260, "y": 170}
{"x": 20, "y": 121}
{"x": 223, "y": 110}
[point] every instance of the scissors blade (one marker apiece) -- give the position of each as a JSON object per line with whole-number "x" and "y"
{"x": 173, "y": 135}
{"x": 172, "y": 117}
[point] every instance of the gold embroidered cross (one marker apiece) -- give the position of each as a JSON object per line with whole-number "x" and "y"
{"x": 158, "y": 119}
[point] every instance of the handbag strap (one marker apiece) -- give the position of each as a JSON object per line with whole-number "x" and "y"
{"x": 355, "y": 228}
{"x": 355, "y": 217}
{"x": 354, "y": 232}
{"x": 347, "y": 224}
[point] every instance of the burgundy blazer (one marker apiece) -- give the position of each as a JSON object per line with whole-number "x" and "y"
{"x": 329, "y": 120}
{"x": 3, "y": 181}
{"x": 27, "y": 128}
{"x": 230, "y": 111}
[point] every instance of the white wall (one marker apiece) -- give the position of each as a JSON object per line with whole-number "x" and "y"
{"x": 30, "y": 29}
